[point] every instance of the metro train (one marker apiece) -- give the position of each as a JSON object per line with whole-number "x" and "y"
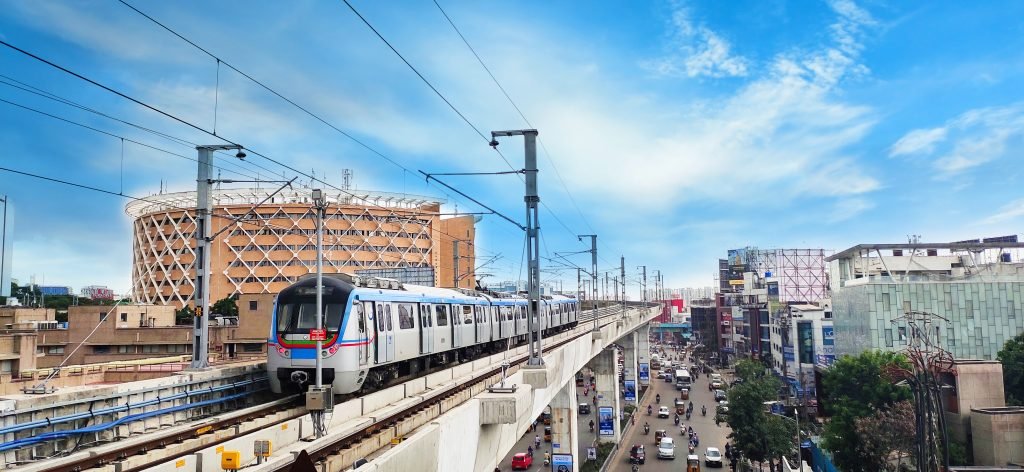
{"x": 378, "y": 330}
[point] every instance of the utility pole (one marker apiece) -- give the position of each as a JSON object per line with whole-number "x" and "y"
{"x": 317, "y": 415}
{"x": 204, "y": 228}
{"x": 455, "y": 263}
{"x": 622, "y": 273}
{"x": 593, "y": 271}
{"x": 606, "y": 297}
{"x": 643, "y": 286}
{"x": 532, "y": 199}
{"x": 5, "y": 285}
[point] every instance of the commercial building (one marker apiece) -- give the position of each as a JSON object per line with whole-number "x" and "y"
{"x": 970, "y": 292}
{"x": 801, "y": 337}
{"x": 262, "y": 250}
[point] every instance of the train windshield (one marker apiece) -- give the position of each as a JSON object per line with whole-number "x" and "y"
{"x": 300, "y": 317}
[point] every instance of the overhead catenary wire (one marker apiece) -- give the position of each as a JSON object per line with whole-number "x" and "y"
{"x": 187, "y": 123}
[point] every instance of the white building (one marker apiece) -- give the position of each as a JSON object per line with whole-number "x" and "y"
{"x": 810, "y": 339}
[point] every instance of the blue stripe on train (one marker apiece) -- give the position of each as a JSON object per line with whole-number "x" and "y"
{"x": 303, "y": 353}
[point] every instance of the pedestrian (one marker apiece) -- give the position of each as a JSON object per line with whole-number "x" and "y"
{"x": 534, "y": 425}
{"x": 536, "y": 440}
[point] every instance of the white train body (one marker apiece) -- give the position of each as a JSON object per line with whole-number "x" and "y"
{"x": 379, "y": 330}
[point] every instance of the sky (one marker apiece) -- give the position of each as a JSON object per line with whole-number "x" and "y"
{"x": 674, "y": 130}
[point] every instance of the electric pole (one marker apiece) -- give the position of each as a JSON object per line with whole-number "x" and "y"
{"x": 593, "y": 271}
{"x": 204, "y": 228}
{"x": 532, "y": 199}
{"x": 455, "y": 263}
{"x": 622, "y": 273}
{"x": 643, "y": 285}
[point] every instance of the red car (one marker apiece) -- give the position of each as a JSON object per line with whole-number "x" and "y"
{"x": 521, "y": 461}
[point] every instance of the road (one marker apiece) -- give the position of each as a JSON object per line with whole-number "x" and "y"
{"x": 710, "y": 435}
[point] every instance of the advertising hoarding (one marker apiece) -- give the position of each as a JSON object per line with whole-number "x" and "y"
{"x": 606, "y": 421}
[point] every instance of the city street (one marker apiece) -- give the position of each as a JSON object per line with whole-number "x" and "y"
{"x": 709, "y": 434}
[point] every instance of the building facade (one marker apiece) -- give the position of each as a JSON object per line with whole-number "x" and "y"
{"x": 801, "y": 337}
{"x": 971, "y": 294}
{"x": 261, "y": 250}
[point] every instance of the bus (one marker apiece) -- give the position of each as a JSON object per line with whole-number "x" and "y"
{"x": 683, "y": 379}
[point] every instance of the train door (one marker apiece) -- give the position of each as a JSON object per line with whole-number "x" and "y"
{"x": 482, "y": 325}
{"x": 426, "y": 323}
{"x": 456, "y": 326}
{"x": 360, "y": 319}
{"x": 385, "y": 345}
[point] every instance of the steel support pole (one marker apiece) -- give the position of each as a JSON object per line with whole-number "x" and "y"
{"x": 532, "y": 200}
{"x": 201, "y": 294}
{"x": 622, "y": 274}
{"x": 4, "y": 284}
{"x": 593, "y": 271}
{"x": 455, "y": 263}
{"x": 319, "y": 289}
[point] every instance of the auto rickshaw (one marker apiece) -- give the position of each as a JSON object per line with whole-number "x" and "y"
{"x": 692, "y": 463}
{"x": 658, "y": 434}
{"x": 684, "y": 393}
{"x": 680, "y": 407}
{"x": 547, "y": 434}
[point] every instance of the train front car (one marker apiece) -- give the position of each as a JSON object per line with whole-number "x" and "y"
{"x": 291, "y": 353}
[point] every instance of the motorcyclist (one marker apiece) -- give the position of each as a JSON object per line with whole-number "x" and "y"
{"x": 647, "y": 428}
{"x": 657, "y": 398}
{"x": 529, "y": 451}
{"x": 547, "y": 458}
{"x": 649, "y": 410}
{"x": 703, "y": 410}
{"x": 591, "y": 426}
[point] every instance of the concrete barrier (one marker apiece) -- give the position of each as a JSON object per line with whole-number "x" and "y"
{"x": 437, "y": 378}
{"x": 377, "y": 400}
{"x": 348, "y": 410}
{"x": 415, "y": 386}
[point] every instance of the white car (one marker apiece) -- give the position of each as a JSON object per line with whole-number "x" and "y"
{"x": 663, "y": 412}
{"x": 712, "y": 456}
{"x": 666, "y": 449}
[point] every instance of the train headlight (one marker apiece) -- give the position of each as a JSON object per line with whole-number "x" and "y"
{"x": 284, "y": 352}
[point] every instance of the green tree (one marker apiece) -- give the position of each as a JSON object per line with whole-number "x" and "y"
{"x": 1012, "y": 357}
{"x": 225, "y": 306}
{"x": 856, "y": 387}
{"x": 758, "y": 435}
{"x": 887, "y": 432}
{"x": 184, "y": 316}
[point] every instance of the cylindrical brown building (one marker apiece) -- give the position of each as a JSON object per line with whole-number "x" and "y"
{"x": 274, "y": 244}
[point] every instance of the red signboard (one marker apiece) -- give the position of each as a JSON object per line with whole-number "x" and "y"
{"x": 318, "y": 335}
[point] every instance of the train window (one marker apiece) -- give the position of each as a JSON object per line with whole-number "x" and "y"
{"x": 333, "y": 314}
{"x": 379, "y": 314}
{"x": 442, "y": 314}
{"x": 357, "y": 310}
{"x": 467, "y": 311}
{"x": 387, "y": 317}
{"x": 405, "y": 316}
{"x": 425, "y": 321}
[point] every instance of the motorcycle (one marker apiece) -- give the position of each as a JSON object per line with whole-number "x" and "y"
{"x": 687, "y": 415}
{"x": 649, "y": 410}
{"x": 647, "y": 429}
{"x": 657, "y": 398}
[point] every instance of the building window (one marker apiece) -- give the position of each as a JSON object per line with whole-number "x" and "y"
{"x": 950, "y": 337}
{"x": 903, "y": 334}
{"x": 101, "y": 349}
{"x": 888, "y": 338}
{"x": 978, "y": 337}
{"x": 55, "y": 350}
{"x": 124, "y": 317}
{"x": 1011, "y": 309}
{"x": 151, "y": 349}
{"x": 6, "y": 366}
{"x": 125, "y": 350}
{"x": 252, "y": 305}
{"x": 252, "y": 347}
{"x": 970, "y": 308}
{"x": 103, "y": 316}
{"x": 886, "y": 302}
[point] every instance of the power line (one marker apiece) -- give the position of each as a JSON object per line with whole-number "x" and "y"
{"x": 521, "y": 115}
{"x": 113, "y": 135}
{"x": 191, "y": 125}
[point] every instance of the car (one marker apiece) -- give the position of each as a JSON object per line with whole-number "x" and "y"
{"x": 584, "y": 409}
{"x": 723, "y": 407}
{"x": 521, "y": 461}
{"x": 663, "y": 412}
{"x": 712, "y": 457}
{"x": 666, "y": 449}
{"x": 720, "y": 395}
{"x": 637, "y": 455}
{"x": 717, "y": 384}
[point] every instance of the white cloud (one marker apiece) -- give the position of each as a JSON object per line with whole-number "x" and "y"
{"x": 848, "y": 208}
{"x": 696, "y": 51}
{"x": 918, "y": 141}
{"x": 970, "y": 140}
{"x": 1009, "y": 212}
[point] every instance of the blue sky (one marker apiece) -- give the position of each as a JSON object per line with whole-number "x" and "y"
{"x": 680, "y": 129}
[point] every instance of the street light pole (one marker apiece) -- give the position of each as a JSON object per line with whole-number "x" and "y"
{"x": 593, "y": 271}
{"x": 643, "y": 288}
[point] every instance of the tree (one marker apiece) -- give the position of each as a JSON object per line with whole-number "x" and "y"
{"x": 1012, "y": 357}
{"x": 885, "y": 432}
{"x": 225, "y": 306}
{"x": 855, "y": 387}
{"x": 756, "y": 433}
{"x": 184, "y": 316}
